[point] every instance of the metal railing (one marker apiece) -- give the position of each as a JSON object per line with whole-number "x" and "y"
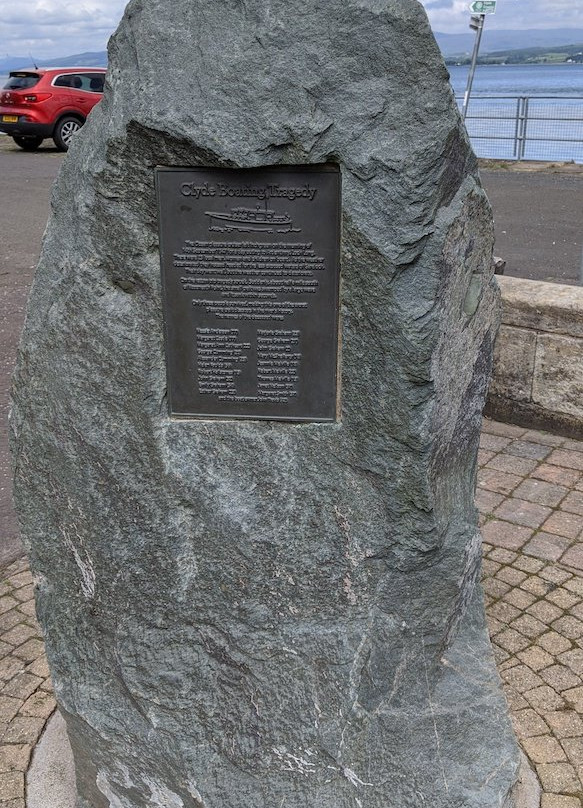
{"x": 526, "y": 127}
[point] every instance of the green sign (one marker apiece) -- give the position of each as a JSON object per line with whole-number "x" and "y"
{"x": 483, "y": 7}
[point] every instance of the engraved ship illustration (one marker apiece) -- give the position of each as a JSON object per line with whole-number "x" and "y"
{"x": 246, "y": 220}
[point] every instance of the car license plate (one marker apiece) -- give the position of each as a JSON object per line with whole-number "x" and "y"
{"x": 10, "y": 119}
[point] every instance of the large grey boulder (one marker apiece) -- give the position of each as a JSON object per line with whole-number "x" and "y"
{"x": 267, "y": 614}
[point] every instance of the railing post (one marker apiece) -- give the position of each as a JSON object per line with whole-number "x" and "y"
{"x": 524, "y": 127}
{"x": 516, "y": 128}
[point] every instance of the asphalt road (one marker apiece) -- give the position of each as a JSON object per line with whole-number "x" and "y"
{"x": 539, "y": 231}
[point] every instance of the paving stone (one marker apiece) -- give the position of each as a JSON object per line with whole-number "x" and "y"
{"x": 47, "y": 685}
{"x": 573, "y": 502}
{"x": 39, "y": 705}
{"x": 541, "y": 492}
{"x": 483, "y": 456}
{"x": 22, "y": 579}
{"x": 4, "y": 649}
{"x": 493, "y": 442}
{"x": 565, "y": 723}
{"x": 546, "y": 438}
{"x": 536, "y": 658}
{"x": 536, "y": 586}
{"x": 544, "y": 699}
{"x": 529, "y": 565}
{"x": 506, "y": 430}
{"x": 522, "y": 512}
{"x": 22, "y": 686}
{"x": 558, "y": 777}
{"x": 512, "y": 464}
{"x": 19, "y": 634}
{"x": 575, "y": 697}
{"x": 28, "y": 608}
{"x": 570, "y": 460}
{"x": 521, "y": 678}
{"x": 559, "y": 801}
{"x": 8, "y": 708}
{"x": 547, "y": 546}
{"x": 487, "y": 501}
{"x": 520, "y": 599}
{"x": 23, "y": 730}
{"x": 498, "y": 481}
{"x": 511, "y": 576}
{"x": 554, "y": 643}
{"x": 528, "y": 625}
{"x": 574, "y": 660}
{"x": 544, "y": 611}
{"x": 494, "y": 626}
{"x": 557, "y": 475}
{"x": 514, "y": 699}
{"x": 9, "y": 667}
{"x": 7, "y": 603}
{"x": 504, "y": 612}
{"x": 569, "y": 627}
{"x": 511, "y": 662}
{"x": 574, "y": 749}
{"x": 544, "y": 749}
{"x": 506, "y": 535}
{"x": 30, "y": 651}
{"x": 24, "y": 594}
{"x": 512, "y": 641}
{"x": 528, "y": 723}
{"x": 495, "y": 588}
{"x": 575, "y": 585}
{"x": 11, "y": 786}
{"x": 555, "y": 574}
{"x": 14, "y": 757}
{"x": 575, "y": 445}
{"x": 565, "y": 524}
{"x": 574, "y": 557}
{"x": 577, "y": 611}
{"x": 560, "y": 678}
{"x": 563, "y": 598}
{"x": 524, "y": 448}
{"x": 502, "y": 555}
{"x": 489, "y": 567}
{"x": 39, "y": 667}
{"x": 500, "y": 655}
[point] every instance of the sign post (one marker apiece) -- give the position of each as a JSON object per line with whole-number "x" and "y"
{"x": 479, "y": 9}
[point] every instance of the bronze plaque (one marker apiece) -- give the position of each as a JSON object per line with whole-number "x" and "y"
{"x": 250, "y": 275}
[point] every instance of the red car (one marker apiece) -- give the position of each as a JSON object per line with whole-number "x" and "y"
{"x": 49, "y": 102}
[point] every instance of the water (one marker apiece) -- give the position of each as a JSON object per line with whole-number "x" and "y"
{"x": 563, "y": 79}
{"x": 547, "y": 126}
{"x": 554, "y": 126}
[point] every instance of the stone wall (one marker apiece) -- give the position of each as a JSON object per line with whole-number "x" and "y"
{"x": 538, "y": 360}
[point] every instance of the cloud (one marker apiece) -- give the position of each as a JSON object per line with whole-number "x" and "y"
{"x": 453, "y": 16}
{"x": 53, "y": 28}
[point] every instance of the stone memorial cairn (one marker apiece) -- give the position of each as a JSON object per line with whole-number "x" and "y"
{"x": 257, "y": 565}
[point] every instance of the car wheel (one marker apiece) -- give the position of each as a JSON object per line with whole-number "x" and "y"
{"x": 64, "y": 131}
{"x": 28, "y": 143}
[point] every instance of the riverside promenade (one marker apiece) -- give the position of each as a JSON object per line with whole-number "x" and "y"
{"x": 530, "y": 499}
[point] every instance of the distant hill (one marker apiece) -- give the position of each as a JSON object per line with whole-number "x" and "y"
{"x": 459, "y": 44}
{"x": 97, "y": 59}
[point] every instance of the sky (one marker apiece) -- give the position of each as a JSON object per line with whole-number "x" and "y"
{"x": 50, "y": 28}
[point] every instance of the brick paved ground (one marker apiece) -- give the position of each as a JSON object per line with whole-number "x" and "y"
{"x": 26, "y": 698}
{"x": 530, "y": 497}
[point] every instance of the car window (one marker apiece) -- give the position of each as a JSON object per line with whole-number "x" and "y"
{"x": 89, "y": 82}
{"x": 21, "y": 81}
{"x": 96, "y": 81}
{"x": 65, "y": 80}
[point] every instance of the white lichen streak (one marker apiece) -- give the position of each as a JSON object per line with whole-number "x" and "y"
{"x": 353, "y": 778}
{"x": 295, "y": 763}
{"x": 85, "y": 567}
{"x": 435, "y": 732}
{"x": 161, "y": 796}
